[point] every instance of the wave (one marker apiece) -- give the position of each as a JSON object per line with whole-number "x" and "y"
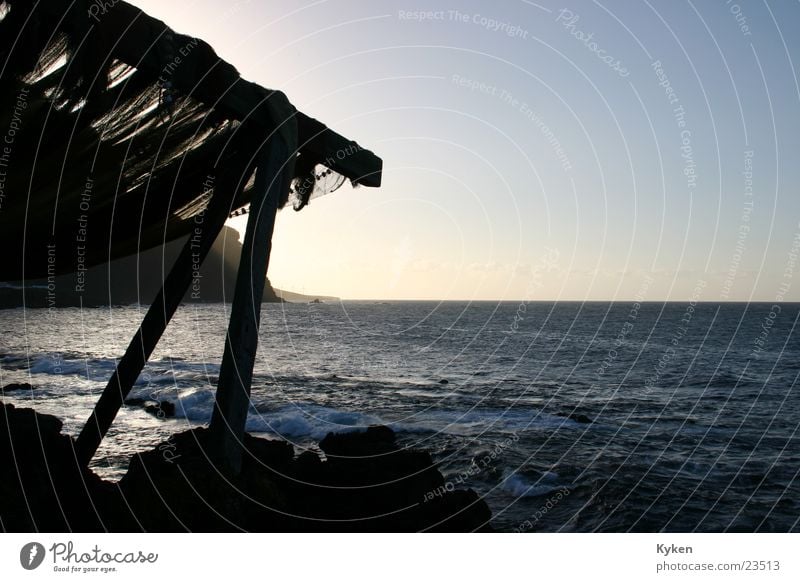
{"x": 55, "y": 365}
{"x": 166, "y": 371}
{"x": 310, "y": 422}
{"x": 478, "y": 421}
{"x": 314, "y": 421}
{"x": 291, "y": 421}
{"x": 190, "y": 385}
{"x": 520, "y": 486}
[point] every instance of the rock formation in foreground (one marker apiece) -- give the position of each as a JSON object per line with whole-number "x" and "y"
{"x": 365, "y": 482}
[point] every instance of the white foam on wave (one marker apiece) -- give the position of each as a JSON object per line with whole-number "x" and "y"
{"x": 294, "y": 421}
{"x": 520, "y": 486}
{"x": 52, "y": 365}
{"x": 309, "y": 421}
{"x": 195, "y": 404}
{"x": 315, "y": 421}
{"x": 164, "y": 372}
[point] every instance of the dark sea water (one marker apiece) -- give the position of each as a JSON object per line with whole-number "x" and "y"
{"x": 694, "y": 409}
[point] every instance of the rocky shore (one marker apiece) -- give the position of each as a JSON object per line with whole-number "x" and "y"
{"x": 361, "y": 482}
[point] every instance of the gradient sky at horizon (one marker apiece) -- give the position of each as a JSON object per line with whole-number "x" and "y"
{"x": 560, "y": 177}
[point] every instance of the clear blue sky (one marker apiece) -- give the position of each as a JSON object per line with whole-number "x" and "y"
{"x": 532, "y": 150}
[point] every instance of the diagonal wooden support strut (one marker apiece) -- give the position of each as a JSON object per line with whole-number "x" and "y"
{"x": 158, "y": 316}
{"x": 235, "y": 376}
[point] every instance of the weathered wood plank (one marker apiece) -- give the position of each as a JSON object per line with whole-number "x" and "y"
{"x": 241, "y": 342}
{"x": 176, "y": 284}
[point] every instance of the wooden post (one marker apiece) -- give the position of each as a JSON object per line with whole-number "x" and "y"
{"x": 235, "y": 376}
{"x": 159, "y": 314}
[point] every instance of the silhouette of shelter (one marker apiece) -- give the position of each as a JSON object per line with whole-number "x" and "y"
{"x": 118, "y": 135}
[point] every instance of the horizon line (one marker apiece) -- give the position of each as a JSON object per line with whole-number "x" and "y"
{"x": 429, "y": 300}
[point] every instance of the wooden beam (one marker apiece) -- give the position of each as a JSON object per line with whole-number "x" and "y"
{"x": 163, "y": 307}
{"x": 141, "y": 41}
{"x": 235, "y": 376}
{"x": 338, "y": 153}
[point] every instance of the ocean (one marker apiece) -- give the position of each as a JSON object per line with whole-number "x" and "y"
{"x": 564, "y": 416}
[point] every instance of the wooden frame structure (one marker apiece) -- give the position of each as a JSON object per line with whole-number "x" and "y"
{"x": 268, "y": 138}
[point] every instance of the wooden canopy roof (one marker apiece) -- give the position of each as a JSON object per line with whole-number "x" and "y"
{"x": 113, "y": 128}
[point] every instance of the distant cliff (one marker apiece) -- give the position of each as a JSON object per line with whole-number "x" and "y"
{"x": 138, "y": 278}
{"x": 291, "y": 297}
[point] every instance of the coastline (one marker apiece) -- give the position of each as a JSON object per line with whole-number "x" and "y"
{"x": 365, "y": 483}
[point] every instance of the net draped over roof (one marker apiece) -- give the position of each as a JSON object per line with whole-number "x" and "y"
{"x": 114, "y": 128}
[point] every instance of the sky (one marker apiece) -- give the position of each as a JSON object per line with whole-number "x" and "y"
{"x": 536, "y": 151}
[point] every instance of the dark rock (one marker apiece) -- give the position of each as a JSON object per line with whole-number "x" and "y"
{"x": 579, "y": 418}
{"x": 162, "y": 409}
{"x": 177, "y": 487}
{"x": 136, "y": 401}
{"x": 375, "y": 441}
{"x": 443, "y": 381}
{"x": 369, "y": 478}
{"x": 159, "y": 409}
{"x": 43, "y": 488}
{"x": 269, "y": 453}
{"x": 306, "y": 464}
{"x": 18, "y": 387}
{"x": 366, "y": 482}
